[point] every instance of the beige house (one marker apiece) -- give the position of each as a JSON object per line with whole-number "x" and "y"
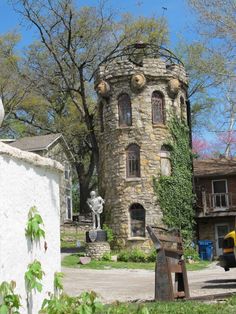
{"x": 55, "y": 147}
{"x": 215, "y": 186}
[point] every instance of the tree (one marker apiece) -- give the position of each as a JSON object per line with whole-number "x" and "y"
{"x": 13, "y": 87}
{"x": 217, "y": 23}
{"x": 216, "y": 27}
{"x": 201, "y": 148}
{"x": 71, "y": 45}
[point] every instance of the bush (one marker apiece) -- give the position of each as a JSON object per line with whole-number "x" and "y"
{"x": 123, "y": 256}
{"x": 110, "y": 235}
{"x": 106, "y": 256}
{"x": 151, "y": 257}
{"x": 137, "y": 256}
{"x": 191, "y": 253}
{"x": 87, "y": 302}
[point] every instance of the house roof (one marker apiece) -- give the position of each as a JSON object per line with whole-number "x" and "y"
{"x": 214, "y": 167}
{"x": 36, "y": 143}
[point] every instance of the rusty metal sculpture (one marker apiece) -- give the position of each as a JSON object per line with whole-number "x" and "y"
{"x": 169, "y": 260}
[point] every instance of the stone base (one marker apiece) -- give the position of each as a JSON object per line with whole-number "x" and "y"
{"x": 101, "y": 236}
{"x": 96, "y": 250}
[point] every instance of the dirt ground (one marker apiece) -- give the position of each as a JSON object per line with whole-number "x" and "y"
{"x": 127, "y": 285}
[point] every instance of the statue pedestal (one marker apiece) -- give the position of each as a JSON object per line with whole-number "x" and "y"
{"x": 96, "y": 244}
{"x": 96, "y": 250}
{"x": 99, "y": 235}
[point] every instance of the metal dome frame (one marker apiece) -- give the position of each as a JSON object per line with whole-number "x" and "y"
{"x": 140, "y": 50}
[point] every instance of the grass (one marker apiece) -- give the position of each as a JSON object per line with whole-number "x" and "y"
{"x": 177, "y": 307}
{"x": 199, "y": 265}
{"x": 73, "y": 262}
{"x": 69, "y": 239}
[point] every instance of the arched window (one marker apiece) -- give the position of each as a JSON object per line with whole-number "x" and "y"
{"x": 137, "y": 220}
{"x": 165, "y": 160}
{"x": 124, "y": 109}
{"x": 182, "y": 107}
{"x": 133, "y": 161}
{"x": 158, "y": 108}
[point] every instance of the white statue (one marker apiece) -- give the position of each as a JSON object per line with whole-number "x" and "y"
{"x": 96, "y": 205}
{"x": 1, "y": 112}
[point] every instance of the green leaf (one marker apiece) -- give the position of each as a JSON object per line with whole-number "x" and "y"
{"x": 34, "y": 225}
{"x": 4, "y": 309}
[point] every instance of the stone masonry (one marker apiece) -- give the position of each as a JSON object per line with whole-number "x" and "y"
{"x": 119, "y": 191}
{"x": 96, "y": 250}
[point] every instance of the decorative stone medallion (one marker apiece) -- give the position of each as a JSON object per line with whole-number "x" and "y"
{"x": 103, "y": 88}
{"x": 138, "y": 81}
{"x": 174, "y": 87}
{"x": 93, "y": 235}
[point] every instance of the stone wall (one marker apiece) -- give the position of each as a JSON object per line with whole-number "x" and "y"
{"x": 27, "y": 180}
{"x": 119, "y": 191}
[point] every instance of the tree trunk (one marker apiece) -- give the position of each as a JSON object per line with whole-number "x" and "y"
{"x": 85, "y": 184}
{"x": 84, "y": 194}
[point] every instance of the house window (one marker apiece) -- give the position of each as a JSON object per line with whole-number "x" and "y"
{"x": 133, "y": 161}
{"x": 165, "y": 160}
{"x": 182, "y": 107}
{"x": 220, "y": 195}
{"x": 137, "y": 220}
{"x": 124, "y": 109}
{"x": 68, "y": 204}
{"x": 67, "y": 171}
{"x": 158, "y": 108}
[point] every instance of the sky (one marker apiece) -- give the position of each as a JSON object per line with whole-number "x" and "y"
{"x": 177, "y": 13}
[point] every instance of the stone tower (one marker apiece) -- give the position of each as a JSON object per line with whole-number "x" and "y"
{"x": 138, "y": 89}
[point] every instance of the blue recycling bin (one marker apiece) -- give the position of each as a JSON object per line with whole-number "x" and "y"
{"x": 205, "y": 249}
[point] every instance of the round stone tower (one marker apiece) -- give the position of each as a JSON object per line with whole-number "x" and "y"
{"x": 138, "y": 88}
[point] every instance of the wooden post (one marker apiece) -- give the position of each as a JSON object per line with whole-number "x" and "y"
{"x": 204, "y": 202}
{"x": 163, "y": 279}
{"x": 169, "y": 261}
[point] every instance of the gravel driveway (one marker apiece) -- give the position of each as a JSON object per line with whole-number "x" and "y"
{"x": 126, "y": 285}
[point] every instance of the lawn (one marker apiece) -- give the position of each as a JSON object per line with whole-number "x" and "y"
{"x": 177, "y": 307}
{"x": 73, "y": 261}
{"x": 69, "y": 239}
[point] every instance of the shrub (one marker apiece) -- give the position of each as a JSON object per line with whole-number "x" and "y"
{"x": 9, "y": 301}
{"x": 106, "y": 256}
{"x": 135, "y": 255}
{"x": 138, "y": 256}
{"x": 191, "y": 253}
{"x": 123, "y": 256}
{"x": 86, "y": 303}
{"x": 110, "y": 235}
{"x": 151, "y": 257}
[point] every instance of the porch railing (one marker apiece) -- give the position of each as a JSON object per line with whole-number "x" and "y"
{"x": 210, "y": 202}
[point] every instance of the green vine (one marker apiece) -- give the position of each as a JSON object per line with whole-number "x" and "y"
{"x": 174, "y": 192}
{"x": 58, "y": 285}
{"x": 9, "y": 301}
{"x": 110, "y": 234}
{"x": 34, "y": 276}
{"x": 34, "y": 225}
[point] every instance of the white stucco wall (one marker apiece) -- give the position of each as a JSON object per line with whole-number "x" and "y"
{"x": 28, "y": 180}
